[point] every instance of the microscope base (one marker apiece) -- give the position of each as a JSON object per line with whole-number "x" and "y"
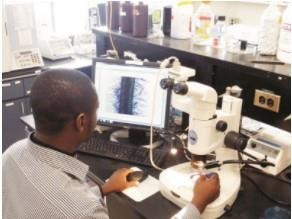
{"x": 177, "y": 182}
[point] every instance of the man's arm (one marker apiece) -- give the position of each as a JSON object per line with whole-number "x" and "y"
{"x": 205, "y": 191}
{"x": 118, "y": 182}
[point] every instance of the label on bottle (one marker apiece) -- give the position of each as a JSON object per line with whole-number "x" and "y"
{"x": 203, "y": 25}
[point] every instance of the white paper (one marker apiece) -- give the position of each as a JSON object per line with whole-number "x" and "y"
{"x": 144, "y": 190}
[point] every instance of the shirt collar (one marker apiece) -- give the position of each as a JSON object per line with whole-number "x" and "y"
{"x": 58, "y": 160}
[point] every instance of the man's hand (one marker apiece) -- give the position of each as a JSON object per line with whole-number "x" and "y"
{"x": 118, "y": 182}
{"x": 206, "y": 190}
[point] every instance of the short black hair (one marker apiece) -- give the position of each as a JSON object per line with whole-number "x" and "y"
{"x": 58, "y": 96}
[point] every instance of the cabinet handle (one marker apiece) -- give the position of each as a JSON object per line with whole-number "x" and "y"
{"x": 6, "y": 85}
{"x": 9, "y": 104}
{"x": 22, "y": 108}
{"x": 17, "y": 82}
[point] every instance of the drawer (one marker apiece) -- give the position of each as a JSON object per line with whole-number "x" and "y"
{"x": 27, "y": 83}
{"x": 12, "y": 89}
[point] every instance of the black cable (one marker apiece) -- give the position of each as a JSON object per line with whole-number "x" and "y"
{"x": 248, "y": 162}
{"x": 264, "y": 193}
{"x": 214, "y": 164}
{"x": 249, "y": 155}
{"x": 257, "y": 171}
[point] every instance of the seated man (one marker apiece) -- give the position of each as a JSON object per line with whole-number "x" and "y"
{"x": 41, "y": 177}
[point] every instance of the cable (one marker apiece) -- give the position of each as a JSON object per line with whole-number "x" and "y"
{"x": 214, "y": 164}
{"x": 257, "y": 171}
{"x": 264, "y": 193}
{"x": 151, "y": 128}
{"x": 110, "y": 29}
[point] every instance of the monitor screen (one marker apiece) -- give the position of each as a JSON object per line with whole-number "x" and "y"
{"x": 130, "y": 95}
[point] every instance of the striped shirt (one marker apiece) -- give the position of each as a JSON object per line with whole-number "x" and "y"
{"x": 39, "y": 182}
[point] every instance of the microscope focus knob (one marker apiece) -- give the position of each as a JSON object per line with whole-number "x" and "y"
{"x": 235, "y": 140}
{"x": 180, "y": 88}
{"x": 221, "y": 126}
{"x": 166, "y": 83}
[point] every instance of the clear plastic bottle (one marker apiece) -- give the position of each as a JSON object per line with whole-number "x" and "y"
{"x": 269, "y": 30}
{"x": 218, "y": 32}
{"x": 284, "y": 48}
{"x": 203, "y": 21}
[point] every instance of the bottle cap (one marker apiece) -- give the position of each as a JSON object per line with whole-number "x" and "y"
{"x": 243, "y": 45}
{"x": 221, "y": 18}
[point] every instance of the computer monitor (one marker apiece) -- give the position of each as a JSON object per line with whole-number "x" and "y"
{"x": 129, "y": 93}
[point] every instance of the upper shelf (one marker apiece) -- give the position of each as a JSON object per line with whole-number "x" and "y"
{"x": 210, "y": 53}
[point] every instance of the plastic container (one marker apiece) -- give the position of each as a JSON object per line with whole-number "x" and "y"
{"x": 155, "y": 11}
{"x": 284, "y": 48}
{"x": 218, "y": 32}
{"x": 113, "y": 15}
{"x": 140, "y": 20}
{"x": 203, "y": 21}
{"x": 181, "y": 20}
{"x": 126, "y": 17}
{"x": 269, "y": 30}
{"x": 166, "y": 27}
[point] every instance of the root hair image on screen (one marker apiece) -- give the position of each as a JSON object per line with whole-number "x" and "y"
{"x": 129, "y": 96}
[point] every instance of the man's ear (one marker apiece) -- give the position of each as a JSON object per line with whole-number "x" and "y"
{"x": 80, "y": 122}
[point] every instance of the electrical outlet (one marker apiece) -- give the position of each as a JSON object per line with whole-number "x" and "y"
{"x": 267, "y": 100}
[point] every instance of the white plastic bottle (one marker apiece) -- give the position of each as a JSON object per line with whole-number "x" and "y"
{"x": 269, "y": 30}
{"x": 284, "y": 48}
{"x": 181, "y": 20}
{"x": 203, "y": 21}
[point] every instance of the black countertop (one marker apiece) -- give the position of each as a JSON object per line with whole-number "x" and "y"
{"x": 250, "y": 203}
{"x": 213, "y": 54}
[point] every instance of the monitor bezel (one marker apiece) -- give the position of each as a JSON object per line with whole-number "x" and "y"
{"x": 137, "y": 64}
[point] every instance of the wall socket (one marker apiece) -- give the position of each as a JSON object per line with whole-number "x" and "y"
{"x": 267, "y": 100}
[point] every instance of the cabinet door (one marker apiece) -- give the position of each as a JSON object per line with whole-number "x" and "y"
{"x": 12, "y": 128}
{"x": 27, "y": 106}
{"x": 27, "y": 83}
{"x": 12, "y": 89}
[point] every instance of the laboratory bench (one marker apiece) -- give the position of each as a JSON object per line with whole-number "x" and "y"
{"x": 250, "y": 203}
{"x": 16, "y": 87}
{"x": 214, "y": 67}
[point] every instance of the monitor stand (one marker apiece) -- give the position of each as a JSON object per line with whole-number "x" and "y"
{"x": 135, "y": 137}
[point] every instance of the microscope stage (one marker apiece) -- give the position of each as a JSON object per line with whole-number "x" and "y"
{"x": 177, "y": 183}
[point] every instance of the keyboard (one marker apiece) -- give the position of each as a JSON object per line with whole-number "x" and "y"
{"x": 120, "y": 151}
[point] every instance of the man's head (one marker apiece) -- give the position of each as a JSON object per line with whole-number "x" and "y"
{"x": 64, "y": 101}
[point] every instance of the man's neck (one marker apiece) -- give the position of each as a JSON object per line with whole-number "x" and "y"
{"x": 62, "y": 142}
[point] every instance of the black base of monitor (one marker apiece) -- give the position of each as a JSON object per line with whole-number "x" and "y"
{"x": 133, "y": 136}
{"x": 138, "y": 137}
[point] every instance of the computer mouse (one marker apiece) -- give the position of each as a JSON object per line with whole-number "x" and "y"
{"x": 137, "y": 175}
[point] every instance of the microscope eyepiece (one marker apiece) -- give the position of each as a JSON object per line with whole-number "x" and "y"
{"x": 180, "y": 88}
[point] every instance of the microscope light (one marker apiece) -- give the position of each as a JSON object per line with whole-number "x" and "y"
{"x": 173, "y": 151}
